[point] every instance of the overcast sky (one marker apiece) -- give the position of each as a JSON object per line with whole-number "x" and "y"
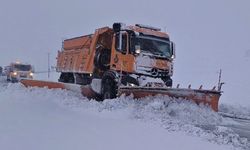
{"x": 209, "y": 35}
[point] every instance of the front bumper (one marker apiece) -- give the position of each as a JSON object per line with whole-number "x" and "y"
{"x": 19, "y": 77}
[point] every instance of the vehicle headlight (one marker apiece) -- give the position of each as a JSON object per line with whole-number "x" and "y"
{"x": 131, "y": 84}
{"x": 31, "y": 74}
{"x": 137, "y": 51}
{"x": 14, "y": 73}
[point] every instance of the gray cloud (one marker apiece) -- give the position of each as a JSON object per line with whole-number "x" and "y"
{"x": 247, "y": 53}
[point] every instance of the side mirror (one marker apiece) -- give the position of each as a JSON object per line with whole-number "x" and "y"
{"x": 172, "y": 48}
{"x": 121, "y": 42}
{"x": 117, "y": 27}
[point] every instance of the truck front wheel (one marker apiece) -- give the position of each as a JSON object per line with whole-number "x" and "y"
{"x": 109, "y": 89}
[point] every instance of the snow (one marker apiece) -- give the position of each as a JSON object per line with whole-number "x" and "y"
{"x": 236, "y": 110}
{"x": 143, "y": 81}
{"x": 96, "y": 85}
{"x": 33, "y": 118}
{"x": 144, "y": 61}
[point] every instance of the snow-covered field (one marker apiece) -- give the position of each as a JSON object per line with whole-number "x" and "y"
{"x": 33, "y": 118}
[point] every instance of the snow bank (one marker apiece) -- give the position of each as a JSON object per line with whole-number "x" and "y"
{"x": 32, "y": 118}
{"x": 180, "y": 116}
{"x": 235, "y": 110}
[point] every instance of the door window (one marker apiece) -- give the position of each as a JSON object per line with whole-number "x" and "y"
{"x": 121, "y": 42}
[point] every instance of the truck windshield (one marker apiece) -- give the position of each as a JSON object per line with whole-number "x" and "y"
{"x": 152, "y": 45}
{"x": 20, "y": 67}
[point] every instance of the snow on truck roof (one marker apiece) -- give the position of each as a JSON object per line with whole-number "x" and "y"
{"x": 19, "y": 63}
{"x": 149, "y": 31}
{"x": 145, "y": 29}
{"x": 85, "y": 40}
{"x": 79, "y": 37}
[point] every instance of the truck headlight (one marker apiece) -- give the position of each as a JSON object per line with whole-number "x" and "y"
{"x": 131, "y": 84}
{"x": 137, "y": 51}
{"x": 14, "y": 73}
{"x": 31, "y": 74}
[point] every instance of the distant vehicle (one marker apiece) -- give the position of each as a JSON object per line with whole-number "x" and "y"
{"x": 1, "y": 70}
{"x": 17, "y": 71}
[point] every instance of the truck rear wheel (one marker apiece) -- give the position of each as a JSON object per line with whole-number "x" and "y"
{"x": 8, "y": 78}
{"x": 67, "y": 78}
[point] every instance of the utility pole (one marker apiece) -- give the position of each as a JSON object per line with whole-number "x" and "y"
{"x": 165, "y": 28}
{"x": 220, "y": 83}
{"x": 48, "y": 65}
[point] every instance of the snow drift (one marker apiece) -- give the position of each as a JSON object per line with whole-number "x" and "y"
{"x": 33, "y": 118}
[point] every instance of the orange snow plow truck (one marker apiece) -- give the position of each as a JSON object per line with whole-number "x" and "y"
{"x": 126, "y": 60}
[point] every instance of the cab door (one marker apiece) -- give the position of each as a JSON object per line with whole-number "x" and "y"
{"x": 121, "y": 59}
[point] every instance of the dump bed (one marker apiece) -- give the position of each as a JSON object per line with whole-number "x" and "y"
{"x": 78, "y": 42}
{"x": 74, "y": 55}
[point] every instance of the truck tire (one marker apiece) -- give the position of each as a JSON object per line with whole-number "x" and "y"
{"x": 109, "y": 85}
{"x": 109, "y": 91}
{"x": 8, "y": 78}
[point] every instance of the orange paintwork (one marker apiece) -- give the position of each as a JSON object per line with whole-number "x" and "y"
{"x": 72, "y": 60}
{"x": 161, "y": 64}
{"x": 207, "y": 97}
{"x": 78, "y": 53}
{"x": 121, "y": 62}
{"x": 148, "y": 31}
{"x": 77, "y": 43}
{"x": 42, "y": 84}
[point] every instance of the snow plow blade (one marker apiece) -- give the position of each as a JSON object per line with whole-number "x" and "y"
{"x": 88, "y": 92}
{"x": 85, "y": 90}
{"x": 199, "y": 96}
{"x": 53, "y": 85}
{"x": 42, "y": 84}
{"x": 207, "y": 97}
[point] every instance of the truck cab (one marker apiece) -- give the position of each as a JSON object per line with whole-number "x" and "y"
{"x": 143, "y": 52}
{"x": 17, "y": 71}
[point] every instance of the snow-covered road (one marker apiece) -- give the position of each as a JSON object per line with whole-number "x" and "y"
{"x": 242, "y": 128}
{"x": 56, "y": 119}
